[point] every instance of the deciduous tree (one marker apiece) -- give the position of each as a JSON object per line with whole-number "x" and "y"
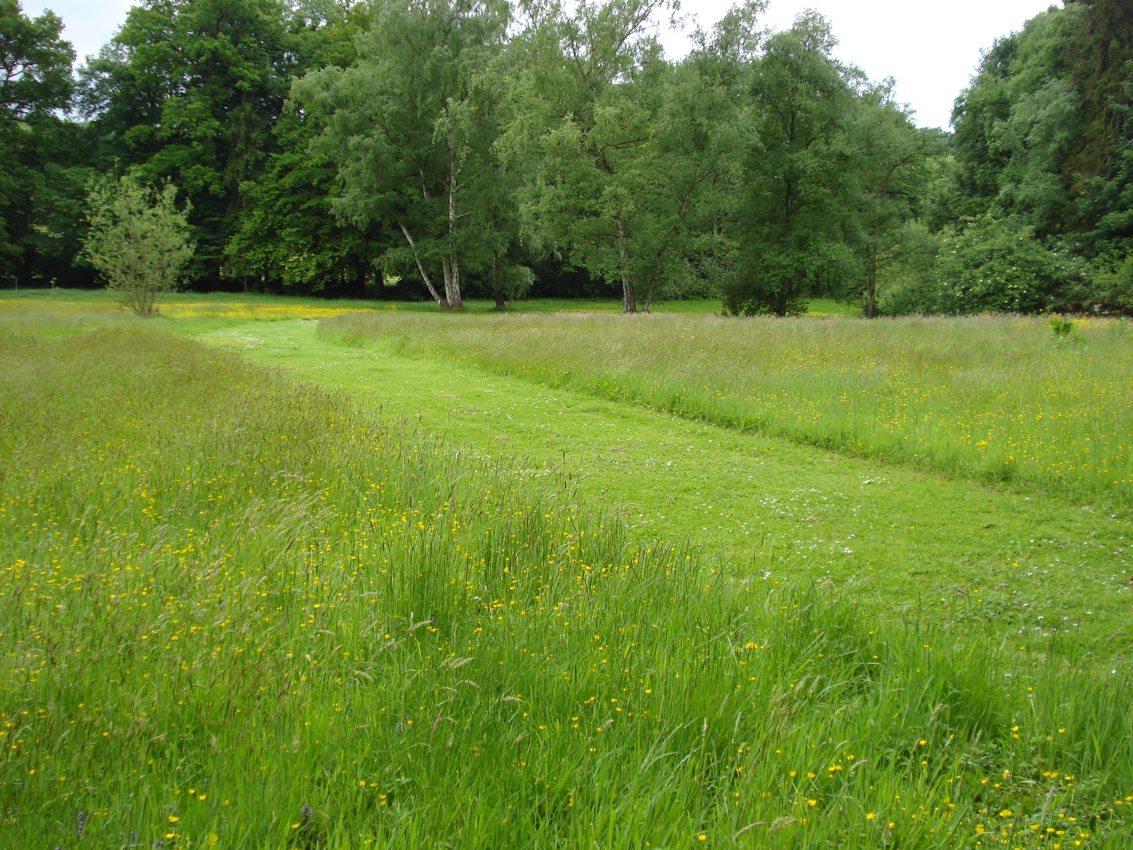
{"x": 619, "y": 145}
{"x": 190, "y": 90}
{"x": 138, "y": 240}
{"x": 410, "y": 127}
{"x": 285, "y": 235}
{"x": 796, "y": 225}
{"x": 893, "y": 164}
{"x": 35, "y": 63}
{"x": 35, "y": 81}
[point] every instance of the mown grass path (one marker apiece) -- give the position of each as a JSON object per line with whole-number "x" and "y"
{"x": 1026, "y": 567}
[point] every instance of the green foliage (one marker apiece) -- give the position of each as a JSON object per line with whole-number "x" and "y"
{"x": 1100, "y": 52}
{"x": 1017, "y": 125}
{"x": 1060, "y": 327}
{"x": 1112, "y": 291}
{"x": 1014, "y": 122}
{"x": 410, "y": 127}
{"x": 509, "y": 281}
{"x": 997, "y": 266}
{"x": 138, "y": 240}
{"x": 467, "y": 140}
{"x": 286, "y": 234}
{"x": 189, "y": 90}
{"x": 894, "y": 166}
{"x": 780, "y": 281}
{"x": 1042, "y": 137}
{"x": 907, "y": 282}
{"x": 621, "y": 149}
{"x": 35, "y": 80}
{"x": 795, "y": 225}
{"x": 35, "y": 63}
{"x": 43, "y": 180}
{"x": 1107, "y": 203}
{"x": 125, "y": 87}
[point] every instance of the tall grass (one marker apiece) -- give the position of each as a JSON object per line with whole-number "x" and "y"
{"x": 987, "y": 398}
{"x": 235, "y": 613}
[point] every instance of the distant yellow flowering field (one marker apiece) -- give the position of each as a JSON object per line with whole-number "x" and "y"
{"x": 185, "y": 305}
{"x": 252, "y": 309}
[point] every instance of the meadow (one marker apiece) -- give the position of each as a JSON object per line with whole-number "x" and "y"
{"x": 999, "y": 400}
{"x": 241, "y": 610}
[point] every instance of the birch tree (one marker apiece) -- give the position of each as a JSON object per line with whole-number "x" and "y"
{"x": 410, "y": 127}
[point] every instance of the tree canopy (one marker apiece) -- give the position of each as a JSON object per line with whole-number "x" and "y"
{"x": 447, "y": 148}
{"x": 35, "y": 82}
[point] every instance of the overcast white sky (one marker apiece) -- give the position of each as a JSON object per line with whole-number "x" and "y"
{"x": 930, "y": 48}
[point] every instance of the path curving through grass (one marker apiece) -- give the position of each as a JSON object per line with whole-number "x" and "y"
{"x": 1026, "y": 568}
{"x": 236, "y": 610}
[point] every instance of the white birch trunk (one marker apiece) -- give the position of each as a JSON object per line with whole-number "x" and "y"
{"x": 421, "y": 267}
{"x": 452, "y": 267}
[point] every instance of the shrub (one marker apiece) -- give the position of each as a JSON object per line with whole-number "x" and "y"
{"x": 997, "y": 266}
{"x": 781, "y": 283}
{"x": 138, "y": 239}
{"x": 1111, "y": 291}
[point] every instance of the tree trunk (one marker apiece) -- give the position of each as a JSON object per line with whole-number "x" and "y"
{"x": 497, "y": 286}
{"x": 452, "y": 267}
{"x": 629, "y": 303}
{"x": 421, "y": 267}
{"x": 871, "y": 284}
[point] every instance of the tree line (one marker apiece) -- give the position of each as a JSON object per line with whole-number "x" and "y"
{"x": 457, "y": 148}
